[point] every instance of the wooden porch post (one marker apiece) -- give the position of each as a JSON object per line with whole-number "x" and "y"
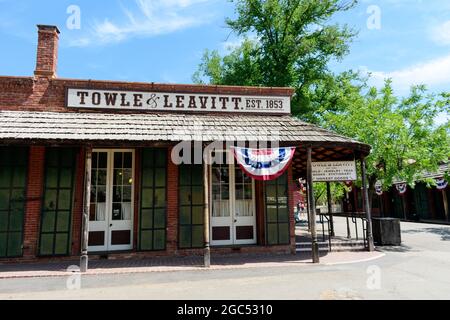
{"x": 330, "y": 209}
{"x": 87, "y": 200}
{"x": 312, "y": 208}
{"x": 444, "y": 198}
{"x": 207, "y": 250}
{"x": 367, "y": 205}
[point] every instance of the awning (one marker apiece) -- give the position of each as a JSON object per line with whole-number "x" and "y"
{"x": 56, "y": 126}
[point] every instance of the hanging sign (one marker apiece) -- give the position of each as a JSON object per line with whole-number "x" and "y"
{"x": 264, "y": 164}
{"x": 401, "y": 188}
{"x": 176, "y": 102}
{"x": 334, "y": 171}
{"x": 441, "y": 183}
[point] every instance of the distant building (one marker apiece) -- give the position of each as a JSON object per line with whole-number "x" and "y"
{"x": 419, "y": 204}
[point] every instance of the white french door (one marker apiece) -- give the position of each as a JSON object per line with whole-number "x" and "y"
{"x": 233, "y": 210}
{"x": 112, "y": 203}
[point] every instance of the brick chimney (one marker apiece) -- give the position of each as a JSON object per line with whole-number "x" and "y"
{"x": 47, "y": 51}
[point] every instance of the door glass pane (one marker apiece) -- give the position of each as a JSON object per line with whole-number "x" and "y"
{"x": 244, "y": 208}
{"x": 98, "y": 187}
{"x": 117, "y": 211}
{"x": 122, "y": 186}
{"x": 221, "y": 204}
{"x": 243, "y": 194}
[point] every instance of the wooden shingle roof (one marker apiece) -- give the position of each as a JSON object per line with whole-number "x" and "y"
{"x": 164, "y": 127}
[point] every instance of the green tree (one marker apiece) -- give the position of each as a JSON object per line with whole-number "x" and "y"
{"x": 405, "y": 139}
{"x": 294, "y": 43}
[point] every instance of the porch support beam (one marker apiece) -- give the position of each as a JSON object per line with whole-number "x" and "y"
{"x": 85, "y": 222}
{"x": 444, "y": 198}
{"x": 367, "y": 205}
{"x": 206, "y": 250}
{"x": 330, "y": 210}
{"x": 312, "y": 208}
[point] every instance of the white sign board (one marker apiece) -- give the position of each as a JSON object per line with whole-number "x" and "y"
{"x": 334, "y": 171}
{"x": 184, "y": 102}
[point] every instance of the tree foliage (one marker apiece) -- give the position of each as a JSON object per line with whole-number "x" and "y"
{"x": 294, "y": 43}
{"x": 406, "y": 141}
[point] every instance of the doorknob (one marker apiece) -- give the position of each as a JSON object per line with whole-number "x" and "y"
{"x": 110, "y": 225}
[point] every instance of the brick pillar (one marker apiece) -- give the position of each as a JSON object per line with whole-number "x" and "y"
{"x": 34, "y": 201}
{"x": 172, "y": 204}
{"x": 77, "y": 212}
{"x": 291, "y": 190}
{"x": 47, "y": 51}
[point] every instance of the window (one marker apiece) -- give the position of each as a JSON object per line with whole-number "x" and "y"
{"x": 57, "y": 206}
{"x": 152, "y": 220}
{"x": 13, "y": 173}
{"x": 191, "y": 207}
{"x": 277, "y": 211}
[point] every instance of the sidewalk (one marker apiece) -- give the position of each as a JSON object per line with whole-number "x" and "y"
{"x": 168, "y": 264}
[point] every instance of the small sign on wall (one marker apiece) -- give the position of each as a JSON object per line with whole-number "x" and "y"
{"x": 334, "y": 171}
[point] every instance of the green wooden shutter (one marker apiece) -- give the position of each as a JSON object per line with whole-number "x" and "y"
{"x": 277, "y": 211}
{"x": 191, "y": 207}
{"x": 421, "y": 201}
{"x": 153, "y": 206}
{"x": 13, "y": 176}
{"x": 398, "y": 204}
{"x": 56, "y": 218}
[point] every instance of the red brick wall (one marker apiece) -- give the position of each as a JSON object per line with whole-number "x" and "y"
{"x": 47, "y": 51}
{"x": 34, "y": 201}
{"x": 172, "y": 204}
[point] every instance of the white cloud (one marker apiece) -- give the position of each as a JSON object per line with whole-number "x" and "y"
{"x": 432, "y": 73}
{"x": 149, "y": 18}
{"x": 441, "y": 33}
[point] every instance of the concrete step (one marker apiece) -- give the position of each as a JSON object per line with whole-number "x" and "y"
{"x": 336, "y": 246}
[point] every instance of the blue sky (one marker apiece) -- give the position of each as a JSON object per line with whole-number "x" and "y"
{"x": 163, "y": 40}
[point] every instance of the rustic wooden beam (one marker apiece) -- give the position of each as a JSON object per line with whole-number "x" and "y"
{"x": 87, "y": 200}
{"x": 330, "y": 210}
{"x": 207, "y": 249}
{"x": 312, "y": 208}
{"x": 367, "y": 205}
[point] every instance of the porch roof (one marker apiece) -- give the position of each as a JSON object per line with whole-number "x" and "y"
{"x": 168, "y": 128}
{"x": 32, "y": 125}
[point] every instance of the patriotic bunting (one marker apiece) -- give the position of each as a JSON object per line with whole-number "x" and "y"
{"x": 264, "y": 164}
{"x": 441, "y": 183}
{"x": 378, "y": 188}
{"x": 401, "y": 187}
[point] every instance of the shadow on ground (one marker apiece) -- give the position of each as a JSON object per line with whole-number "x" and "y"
{"x": 398, "y": 249}
{"x": 444, "y": 233}
{"x": 161, "y": 262}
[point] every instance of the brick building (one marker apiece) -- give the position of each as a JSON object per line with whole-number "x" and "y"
{"x": 103, "y": 151}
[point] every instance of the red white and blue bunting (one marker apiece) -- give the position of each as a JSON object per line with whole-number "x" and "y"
{"x": 441, "y": 183}
{"x": 378, "y": 188}
{"x": 401, "y": 187}
{"x": 264, "y": 164}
